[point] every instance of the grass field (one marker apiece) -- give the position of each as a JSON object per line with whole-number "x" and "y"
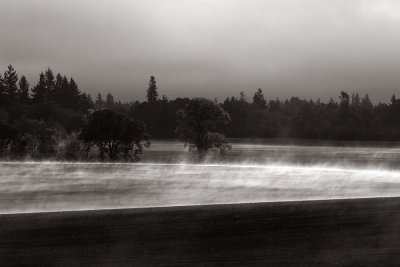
{"x": 358, "y": 232}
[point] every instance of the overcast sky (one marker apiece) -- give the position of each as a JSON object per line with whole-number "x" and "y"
{"x": 212, "y": 48}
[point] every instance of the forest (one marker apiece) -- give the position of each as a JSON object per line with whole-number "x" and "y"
{"x": 55, "y": 119}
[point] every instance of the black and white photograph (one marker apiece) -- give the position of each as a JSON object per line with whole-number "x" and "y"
{"x": 199, "y": 133}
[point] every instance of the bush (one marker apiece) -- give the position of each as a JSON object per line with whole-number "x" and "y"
{"x": 72, "y": 150}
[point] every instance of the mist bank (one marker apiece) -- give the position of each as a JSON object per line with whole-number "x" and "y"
{"x": 377, "y": 155}
{"x": 374, "y": 154}
{"x": 61, "y": 186}
{"x": 309, "y": 142}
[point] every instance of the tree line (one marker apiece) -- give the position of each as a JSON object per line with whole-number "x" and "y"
{"x": 55, "y": 115}
{"x": 348, "y": 117}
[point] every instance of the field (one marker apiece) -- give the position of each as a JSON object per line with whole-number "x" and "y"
{"x": 363, "y": 232}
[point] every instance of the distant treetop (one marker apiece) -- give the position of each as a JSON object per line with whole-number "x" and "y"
{"x": 152, "y": 94}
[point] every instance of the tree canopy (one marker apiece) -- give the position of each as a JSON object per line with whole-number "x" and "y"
{"x": 114, "y": 135}
{"x": 201, "y": 125}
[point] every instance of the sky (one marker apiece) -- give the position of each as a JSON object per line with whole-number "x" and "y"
{"x": 208, "y": 48}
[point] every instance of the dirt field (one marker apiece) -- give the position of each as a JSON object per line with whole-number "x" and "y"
{"x": 363, "y": 232}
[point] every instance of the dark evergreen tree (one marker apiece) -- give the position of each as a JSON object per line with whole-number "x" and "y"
{"x": 73, "y": 95}
{"x": 99, "y": 104}
{"x": 152, "y": 94}
{"x": 58, "y": 89}
{"x": 355, "y": 100}
{"x": 366, "y": 103}
{"x": 259, "y": 100}
{"x": 344, "y": 106}
{"x": 49, "y": 84}
{"x": 10, "y": 83}
{"x": 64, "y": 101}
{"x": 394, "y": 111}
{"x": 3, "y": 94}
{"x": 110, "y": 101}
{"x": 238, "y": 110}
{"x": 39, "y": 93}
{"x": 344, "y": 99}
{"x": 242, "y": 97}
{"x": 67, "y": 93}
{"x": 23, "y": 91}
{"x": 86, "y": 102}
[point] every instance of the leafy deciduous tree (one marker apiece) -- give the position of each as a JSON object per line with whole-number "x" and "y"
{"x": 200, "y": 126}
{"x": 7, "y": 136}
{"x": 114, "y": 134}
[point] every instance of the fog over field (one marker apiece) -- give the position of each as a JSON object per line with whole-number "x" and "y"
{"x": 270, "y": 173}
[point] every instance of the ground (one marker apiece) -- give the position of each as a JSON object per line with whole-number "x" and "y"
{"x": 363, "y": 232}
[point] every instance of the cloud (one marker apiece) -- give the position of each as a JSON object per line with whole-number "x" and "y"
{"x": 382, "y": 9}
{"x": 309, "y": 48}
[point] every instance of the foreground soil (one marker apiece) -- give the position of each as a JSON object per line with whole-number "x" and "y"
{"x": 363, "y": 232}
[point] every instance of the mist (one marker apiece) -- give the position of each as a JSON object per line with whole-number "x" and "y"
{"x": 344, "y": 172}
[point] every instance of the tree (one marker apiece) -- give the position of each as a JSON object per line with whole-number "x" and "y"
{"x": 238, "y": 110}
{"x": 355, "y": 100}
{"x": 72, "y": 149}
{"x": 259, "y": 100}
{"x": 10, "y": 83}
{"x": 58, "y": 89}
{"x": 86, "y": 102}
{"x": 47, "y": 143}
{"x": 102, "y": 131}
{"x": 18, "y": 147}
{"x": 72, "y": 95}
{"x": 344, "y": 99}
{"x": 344, "y": 106}
{"x": 23, "y": 91}
{"x": 39, "y": 93}
{"x": 242, "y": 97}
{"x": 200, "y": 126}
{"x": 110, "y": 101}
{"x": 133, "y": 138}
{"x": 67, "y": 93}
{"x": 114, "y": 134}
{"x": 3, "y": 94}
{"x": 366, "y": 103}
{"x": 7, "y": 136}
{"x": 99, "y": 104}
{"x": 64, "y": 94}
{"x": 152, "y": 94}
{"x": 49, "y": 84}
